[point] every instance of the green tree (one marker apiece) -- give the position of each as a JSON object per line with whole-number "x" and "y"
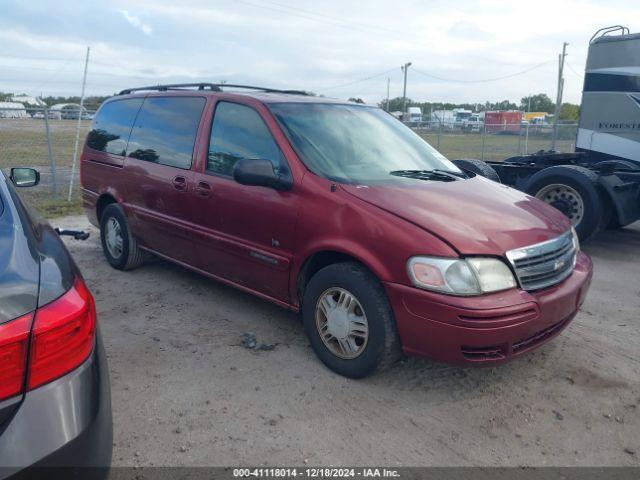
{"x": 502, "y": 105}
{"x": 395, "y": 104}
{"x": 570, "y": 112}
{"x": 537, "y": 103}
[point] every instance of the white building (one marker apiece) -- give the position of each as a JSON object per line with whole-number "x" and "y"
{"x": 29, "y": 101}
{"x": 12, "y": 110}
{"x": 67, "y": 110}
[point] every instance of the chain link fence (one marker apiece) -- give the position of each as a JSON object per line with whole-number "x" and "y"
{"x": 494, "y": 142}
{"x": 44, "y": 139}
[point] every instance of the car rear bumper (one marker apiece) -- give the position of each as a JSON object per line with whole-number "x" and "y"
{"x": 490, "y": 329}
{"x": 66, "y": 423}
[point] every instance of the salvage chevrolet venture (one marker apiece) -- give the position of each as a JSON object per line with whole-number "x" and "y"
{"x": 336, "y": 210}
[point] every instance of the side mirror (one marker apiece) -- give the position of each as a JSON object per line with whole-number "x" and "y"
{"x": 260, "y": 172}
{"x": 25, "y": 177}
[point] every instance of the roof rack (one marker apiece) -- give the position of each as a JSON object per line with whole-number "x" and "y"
{"x": 213, "y": 87}
{"x": 607, "y": 30}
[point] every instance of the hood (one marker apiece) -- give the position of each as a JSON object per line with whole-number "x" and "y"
{"x": 475, "y": 215}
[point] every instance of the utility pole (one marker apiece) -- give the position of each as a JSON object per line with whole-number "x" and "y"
{"x": 75, "y": 149}
{"x": 556, "y": 114}
{"x": 404, "y": 69}
{"x": 388, "y": 85}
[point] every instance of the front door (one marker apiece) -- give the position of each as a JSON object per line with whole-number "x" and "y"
{"x": 245, "y": 233}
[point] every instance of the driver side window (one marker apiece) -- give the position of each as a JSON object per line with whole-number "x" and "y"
{"x": 239, "y": 132}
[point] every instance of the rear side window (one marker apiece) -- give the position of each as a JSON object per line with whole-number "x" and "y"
{"x": 111, "y": 127}
{"x": 239, "y": 132}
{"x": 165, "y": 130}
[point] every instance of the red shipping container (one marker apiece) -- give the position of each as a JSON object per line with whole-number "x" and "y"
{"x": 502, "y": 121}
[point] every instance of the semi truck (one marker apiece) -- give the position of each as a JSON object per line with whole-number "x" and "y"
{"x": 598, "y": 185}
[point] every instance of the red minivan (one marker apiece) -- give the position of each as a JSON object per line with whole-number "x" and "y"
{"x": 336, "y": 210}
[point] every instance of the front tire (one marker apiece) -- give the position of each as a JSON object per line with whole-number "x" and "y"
{"x": 118, "y": 244}
{"x": 349, "y": 321}
{"x": 574, "y": 191}
{"x": 479, "y": 167}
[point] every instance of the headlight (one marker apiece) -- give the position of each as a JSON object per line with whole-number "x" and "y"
{"x": 576, "y": 241}
{"x": 471, "y": 276}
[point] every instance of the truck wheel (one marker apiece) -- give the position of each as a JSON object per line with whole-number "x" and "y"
{"x": 349, "y": 320}
{"x": 478, "y": 167}
{"x": 575, "y": 192}
{"x": 118, "y": 244}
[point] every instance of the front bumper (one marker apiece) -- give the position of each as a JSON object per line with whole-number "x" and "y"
{"x": 489, "y": 329}
{"x": 66, "y": 423}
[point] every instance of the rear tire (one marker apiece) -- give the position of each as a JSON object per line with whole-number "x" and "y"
{"x": 574, "y": 191}
{"x": 370, "y": 310}
{"x": 118, "y": 244}
{"x": 478, "y": 167}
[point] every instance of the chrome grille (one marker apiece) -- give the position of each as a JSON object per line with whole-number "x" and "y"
{"x": 544, "y": 264}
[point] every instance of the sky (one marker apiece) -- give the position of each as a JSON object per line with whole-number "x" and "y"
{"x": 460, "y": 51}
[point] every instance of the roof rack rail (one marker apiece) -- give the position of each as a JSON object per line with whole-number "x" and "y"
{"x": 607, "y": 30}
{"x": 214, "y": 87}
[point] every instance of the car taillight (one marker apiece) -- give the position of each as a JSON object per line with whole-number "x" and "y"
{"x": 61, "y": 339}
{"x": 14, "y": 342}
{"x": 62, "y": 336}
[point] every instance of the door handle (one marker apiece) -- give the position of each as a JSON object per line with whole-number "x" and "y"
{"x": 203, "y": 189}
{"x": 180, "y": 183}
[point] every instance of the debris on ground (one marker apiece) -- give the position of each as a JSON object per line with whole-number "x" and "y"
{"x": 249, "y": 341}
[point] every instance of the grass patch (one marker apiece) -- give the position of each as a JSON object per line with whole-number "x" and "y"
{"x": 491, "y": 147}
{"x": 23, "y": 142}
{"x": 41, "y": 200}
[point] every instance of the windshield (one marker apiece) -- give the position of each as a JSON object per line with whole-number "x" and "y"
{"x": 355, "y": 144}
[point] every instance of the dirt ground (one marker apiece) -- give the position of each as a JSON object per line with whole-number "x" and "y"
{"x": 185, "y": 392}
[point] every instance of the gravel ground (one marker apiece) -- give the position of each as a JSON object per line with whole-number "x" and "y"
{"x": 186, "y": 392}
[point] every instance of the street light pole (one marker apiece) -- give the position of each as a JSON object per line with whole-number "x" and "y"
{"x": 404, "y": 69}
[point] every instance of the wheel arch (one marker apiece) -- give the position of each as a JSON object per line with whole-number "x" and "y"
{"x": 103, "y": 201}
{"x": 324, "y": 256}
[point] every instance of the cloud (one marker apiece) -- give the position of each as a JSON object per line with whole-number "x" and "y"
{"x": 340, "y": 49}
{"x": 135, "y": 21}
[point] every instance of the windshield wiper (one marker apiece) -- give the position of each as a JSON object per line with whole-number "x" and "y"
{"x": 451, "y": 172}
{"x": 435, "y": 174}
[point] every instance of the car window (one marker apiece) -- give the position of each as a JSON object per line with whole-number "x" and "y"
{"x": 239, "y": 132}
{"x": 111, "y": 128}
{"x": 165, "y": 130}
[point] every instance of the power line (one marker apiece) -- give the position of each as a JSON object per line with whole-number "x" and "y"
{"x": 324, "y": 19}
{"x": 360, "y": 80}
{"x": 574, "y": 71}
{"x": 336, "y": 19}
{"x": 300, "y": 15}
{"x": 484, "y": 80}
